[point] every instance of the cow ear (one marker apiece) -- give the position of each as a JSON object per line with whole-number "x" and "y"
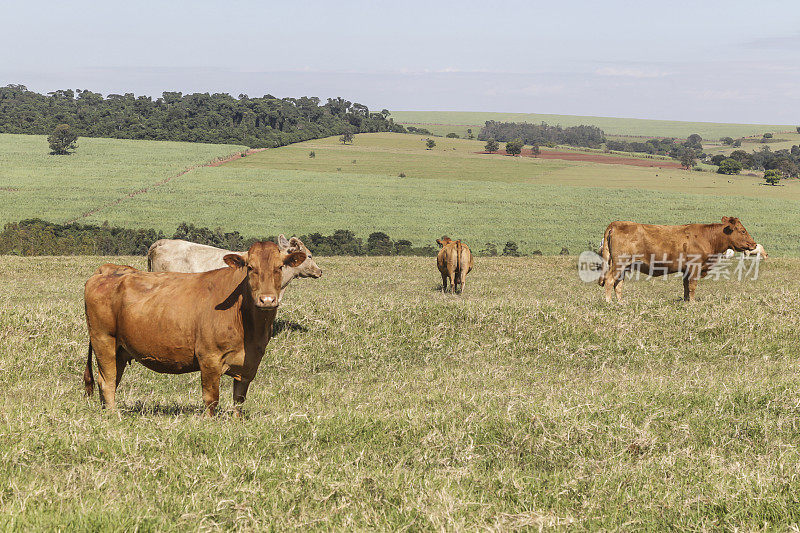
{"x": 439, "y": 242}
{"x": 294, "y": 259}
{"x": 295, "y": 242}
{"x": 725, "y": 220}
{"x": 283, "y": 244}
{"x": 235, "y": 260}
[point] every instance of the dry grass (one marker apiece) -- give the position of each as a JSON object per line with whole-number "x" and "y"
{"x": 383, "y": 404}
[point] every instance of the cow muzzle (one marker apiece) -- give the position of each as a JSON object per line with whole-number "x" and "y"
{"x": 267, "y": 302}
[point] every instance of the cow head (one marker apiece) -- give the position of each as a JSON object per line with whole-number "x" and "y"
{"x": 738, "y": 237}
{"x": 445, "y": 240}
{"x": 306, "y": 269}
{"x": 264, "y": 262}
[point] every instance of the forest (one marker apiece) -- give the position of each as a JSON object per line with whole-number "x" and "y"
{"x": 262, "y": 122}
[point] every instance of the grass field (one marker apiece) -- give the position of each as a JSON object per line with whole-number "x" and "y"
{"x": 60, "y": 188}
{"x": 444, "y": 122}
{"x": 783, "y": 141}
{"x": 540, "y": 204}
{"x": 383, "y": 404}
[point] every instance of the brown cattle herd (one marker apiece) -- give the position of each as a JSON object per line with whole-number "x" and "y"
{"x": 200, "y": 308}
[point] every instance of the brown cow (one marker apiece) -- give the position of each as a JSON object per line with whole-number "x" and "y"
{"x": 454, "y": 262}
{"x": 691, "y": 249}
{"x": 175, "y": 255}
{"x": 217, "y": 322}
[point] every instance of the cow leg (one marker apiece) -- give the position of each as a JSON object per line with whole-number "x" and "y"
{"x": 105, "y": 351}
{"x": 452, "y": 276}
{"x": 462, "y": 283}
{"x": 209, "y": 379}
{"x": 608, "y": 285}
{"x": 239, "y": 394}
{"x": 444, "y": 283}
{"x": 618, "y": 286}
{"x": 122, "y": 362}
{"x": 689, "y": 286}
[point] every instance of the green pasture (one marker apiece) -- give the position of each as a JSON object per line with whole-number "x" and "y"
{"x": 539, "y": 204}
{"x": 444, "y": 122}
{"x": 781, "y": 141}
{"x": 381, "y": 404}
{"x": 34, "y": 183}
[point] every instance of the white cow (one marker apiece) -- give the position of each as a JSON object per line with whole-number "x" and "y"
{"x": 758, "y": 251}
{"x": 175, "y": 255}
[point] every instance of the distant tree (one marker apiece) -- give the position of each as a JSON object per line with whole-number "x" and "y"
{"x": 717, "y": 159}
{"x": 768, "y": 136}
{"x": 62, "y": 140}
{"x": 312, "y": 154}
{"x": 471, "y": 136}
{"x": 742, "y": 157}
{"x": 737, "y": 143}
{"x": 490, "y": 249}
{"x": 687, "y": 158}
{"x": 347, "y": 137}
{"x": 727, "y": 141}
{"x": 535, "y": 150}
{"x": 514, "y": 147}
{"x": 798, "y": 129}
{"x": 452, "y": 135}
{"x": 694, "y": 140}
{"x": 379, "y": 243}
{"x": 772, "y": 177}
{"x": 511, "y": 249}
{"x": 430, "y": 143}
{"x": 492, "y": 146}
{"x": 729, "y": 166}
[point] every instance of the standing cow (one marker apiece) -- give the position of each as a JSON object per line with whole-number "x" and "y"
{"x": 216, "y": 322}
{"x": 454, "y": 262}
{"x": 691, "y": 249}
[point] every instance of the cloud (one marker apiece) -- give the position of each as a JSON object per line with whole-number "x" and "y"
{"x": 632, "y": 72}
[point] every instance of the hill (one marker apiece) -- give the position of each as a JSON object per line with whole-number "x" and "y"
{"x": 443, "y": 122}
{"x": 541, "y": 204}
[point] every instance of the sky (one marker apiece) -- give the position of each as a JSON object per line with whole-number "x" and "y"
{"x": 707, "y": 60}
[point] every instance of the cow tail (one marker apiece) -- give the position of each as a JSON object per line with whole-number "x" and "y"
{"x": 88, "y": 377}
{"x": 458, "y": 261}
{"x": 150, "y": 252}
{"x": 605, "y": 253}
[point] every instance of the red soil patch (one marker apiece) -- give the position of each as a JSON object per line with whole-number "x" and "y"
{"x": 598, "y": 158}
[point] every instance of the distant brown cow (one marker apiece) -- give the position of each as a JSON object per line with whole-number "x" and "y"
{"x": 217, "y": 322}
{"x": 692, "y": 249}
{"x": 454, "y": 262}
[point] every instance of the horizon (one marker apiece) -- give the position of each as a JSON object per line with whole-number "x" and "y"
{"x": 580, "y": 59}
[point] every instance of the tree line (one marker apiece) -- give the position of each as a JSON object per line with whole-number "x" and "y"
{"x": 785, "y": 163}
{"x": 260, "y": 122}
{"x": 39, "y": 237}
{"x": 543, "y": 134}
